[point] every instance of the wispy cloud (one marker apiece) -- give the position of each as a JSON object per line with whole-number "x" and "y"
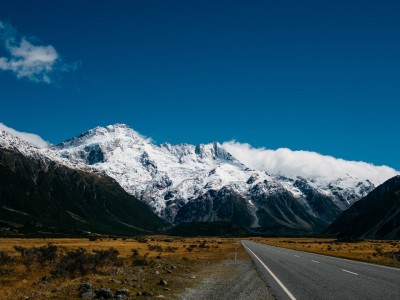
{"x": 31, "y": 138}
{"x": 28, "y": 60}
{"x": 306, "y": 164}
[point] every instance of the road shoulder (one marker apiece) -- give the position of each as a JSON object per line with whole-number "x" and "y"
{"x": 229, "y": 279}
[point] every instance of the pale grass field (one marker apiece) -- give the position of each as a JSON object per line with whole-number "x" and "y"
{"x": 378, "y": 252}
{"x": 181, "y": 268}
{"x": 177, "y": 267}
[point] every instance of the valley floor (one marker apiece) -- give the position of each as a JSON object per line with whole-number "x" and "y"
{"x": 154, "y": 266}
{"x": 126, "y": 268}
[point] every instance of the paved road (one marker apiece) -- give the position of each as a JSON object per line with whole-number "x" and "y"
{"x": 300, "y": 275}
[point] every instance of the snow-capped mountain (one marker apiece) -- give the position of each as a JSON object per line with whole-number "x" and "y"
{"x": 375, "y": 216}
{"x": 200, "y": 183}
{"x": 41, "y": 192}
{"x": 173, "y": 178}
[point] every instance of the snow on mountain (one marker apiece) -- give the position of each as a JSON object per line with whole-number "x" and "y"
{"x": 30, "y": 138}
{"x": 162, "y": 175}
{"x": 40, "y": 151}
{"x": 168, "y": 176}
{"x": 203, "y": 182}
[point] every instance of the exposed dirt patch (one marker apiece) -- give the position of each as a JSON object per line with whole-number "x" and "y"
{"x": 229, "y": 280}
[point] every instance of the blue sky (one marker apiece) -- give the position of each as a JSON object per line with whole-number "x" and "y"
{"x": 321, "y": 76}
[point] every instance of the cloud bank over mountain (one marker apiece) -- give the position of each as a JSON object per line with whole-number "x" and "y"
{"x": 34, "y": 139}
{"x": 307, "y": 164}
{"x": 282, "y": 161}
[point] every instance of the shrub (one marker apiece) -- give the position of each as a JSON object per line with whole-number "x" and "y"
{"x": 171, "y": 249}
{"x": 80, "y": 262}
{"x": 141, "y": 261}
{"x": 74, "y": 262}
{"x": 378, "y": 252}
{"x": 5, "y": 259}
{"x": 142, "y": 240}
{"x": 135, "y": 253}
{"x": 40, "y": 255}
{"x": 106, "y": 257}
{"x": 155, "y": 248}
{"x": 46, "y": 254}
{"x": 203, "y": 244}
{"x": 191, "y": 247}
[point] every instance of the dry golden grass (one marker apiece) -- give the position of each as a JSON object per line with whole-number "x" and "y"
{"x": 379, "y": 252}
{"x": 174, "y": 263}
{"x": 169, "y": 259}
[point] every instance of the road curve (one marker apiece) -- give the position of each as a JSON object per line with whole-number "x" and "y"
{"x": 299, "y": 275}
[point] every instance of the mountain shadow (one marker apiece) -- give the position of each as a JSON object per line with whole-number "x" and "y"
{"x": 376, "y": 216}
{"x": 40, "y": 195}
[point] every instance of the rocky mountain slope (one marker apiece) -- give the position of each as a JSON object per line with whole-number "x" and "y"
{"x": 39, "y": 194}
{"x": 206, "y": 183}
{"x": 377, "y": 216}
{"x": 203, "y": 183}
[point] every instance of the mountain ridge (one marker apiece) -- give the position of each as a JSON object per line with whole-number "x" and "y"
{"x": 41, "y": 195}
{"x": 170, "y": 177}
{"x": 376, "y": 216}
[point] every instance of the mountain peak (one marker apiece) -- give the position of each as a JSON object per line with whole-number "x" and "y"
{"x": 213, "y": 151}
{"x": 101, "y": 134}
{"x": 169, "y": 177}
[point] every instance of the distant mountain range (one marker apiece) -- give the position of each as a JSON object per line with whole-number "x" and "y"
{"x": 375, "y": 216}
{"x": 180, "y": 183}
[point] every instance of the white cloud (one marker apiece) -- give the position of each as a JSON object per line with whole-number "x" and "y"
{"x": 307, "y": 164}
{"x": 28, "y": 137}
{"x": 26, "y": 60}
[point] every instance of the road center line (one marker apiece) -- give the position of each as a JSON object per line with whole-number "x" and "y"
{"x": 296, "y": 255}
{"x": 349, "y": 272}
{"x": 315, "y": 261}
{"x": 273, "y": 275}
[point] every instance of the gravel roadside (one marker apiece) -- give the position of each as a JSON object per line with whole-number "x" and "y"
{"x": 229, "y": 279}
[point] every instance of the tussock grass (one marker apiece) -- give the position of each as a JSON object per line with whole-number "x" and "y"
{"x": 137, "y": 264}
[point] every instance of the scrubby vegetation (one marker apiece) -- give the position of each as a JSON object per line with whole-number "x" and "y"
{"x": 79, "y": 268}
{"x": 103, "y": 266}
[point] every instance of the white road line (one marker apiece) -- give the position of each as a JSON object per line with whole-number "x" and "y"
{"x": 296, "y": 255}
{"x": 339, "y": 258}
{"x": 273, "y": 275}
{"x": 315, "y": 261}
{"x": 349, "y": 272}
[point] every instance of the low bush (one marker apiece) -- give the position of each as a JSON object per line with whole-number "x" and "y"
{"x": 135, "y": 253}
{"x": 40, "y": 255}
{"x": 170, "y": 249}
{"x": 81, "y": 262}
{"x": 142, "y": 240}
{"x": 203, "y": 245}
{"x": 5, "y": 259}
{"x": 141, "y": 261}
{"x": 155, "y": 248}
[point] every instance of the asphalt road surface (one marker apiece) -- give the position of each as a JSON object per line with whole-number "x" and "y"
{"x": 294, "y": 274}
